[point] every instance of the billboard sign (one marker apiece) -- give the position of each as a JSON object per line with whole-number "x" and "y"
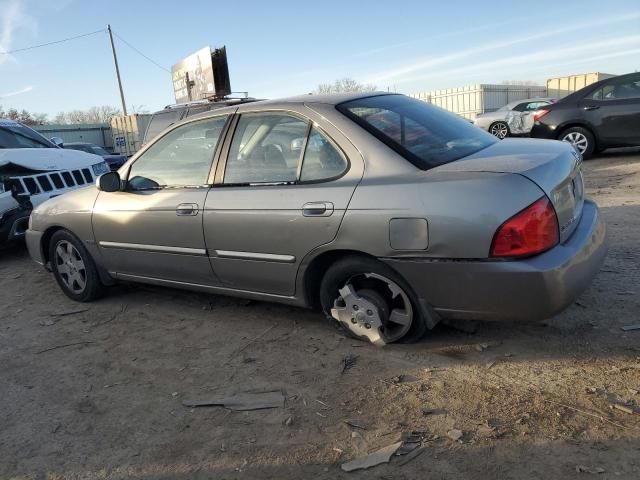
{"x": 193, "y": 77}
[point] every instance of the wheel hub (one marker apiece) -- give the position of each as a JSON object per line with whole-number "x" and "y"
{"x": 379, "y": 311}
{"x": 359, "y": 314}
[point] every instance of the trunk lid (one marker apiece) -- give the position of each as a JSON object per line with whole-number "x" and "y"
{"x": 554, "y": 166}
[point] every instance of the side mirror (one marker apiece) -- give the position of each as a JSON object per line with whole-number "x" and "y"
{"x": 109, "y": 182}
{"x": 57, "y": 141}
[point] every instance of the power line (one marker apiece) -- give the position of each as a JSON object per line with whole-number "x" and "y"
{"x": 142, "y": 54}
{"x": 51, "y": 43}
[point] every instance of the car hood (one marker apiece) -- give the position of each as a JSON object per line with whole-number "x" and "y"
{"x": 552, "y": 165}
{"x": 48, "y": 159}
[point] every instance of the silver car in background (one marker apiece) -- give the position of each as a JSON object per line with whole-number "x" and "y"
{"x": 384, "y": 212}
{"x": 515, "y": 118}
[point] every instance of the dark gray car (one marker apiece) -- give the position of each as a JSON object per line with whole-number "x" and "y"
{"x": 385, "y": 212}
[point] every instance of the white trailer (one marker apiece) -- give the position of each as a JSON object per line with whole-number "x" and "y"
{"x": 472, "y": 100}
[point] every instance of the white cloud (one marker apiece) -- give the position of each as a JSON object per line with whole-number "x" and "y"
{"x": 17, "y": 92}
{"x": 12, "y": 20}
{"x": 586, "y": 51}
{"x": 424, "y": 64}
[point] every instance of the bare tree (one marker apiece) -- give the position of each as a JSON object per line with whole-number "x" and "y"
{"x": 23, "y": 116}
{"x": 101, "y": 114}
{"x": 344, "y": 85}
{"x": 138, "y": 109}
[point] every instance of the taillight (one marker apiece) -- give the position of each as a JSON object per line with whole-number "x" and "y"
{"x": 538, "y": 114}
{"x": 533, "y": 230}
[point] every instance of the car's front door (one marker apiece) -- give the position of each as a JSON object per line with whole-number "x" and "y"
{"x": 153, "y": 227}
{"x": 282, "y": 192}
{"x": 614, "y": 111}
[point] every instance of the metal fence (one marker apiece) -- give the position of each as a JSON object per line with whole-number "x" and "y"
{"x": 96, "y": 133}
{"x": 472, "y": 100}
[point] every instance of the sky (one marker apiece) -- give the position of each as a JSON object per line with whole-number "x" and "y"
{"x": 282, "y": 48}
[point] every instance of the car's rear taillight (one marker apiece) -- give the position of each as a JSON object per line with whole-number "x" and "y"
{"x": 533, "y": 230}
{"x": 538, "y": 114}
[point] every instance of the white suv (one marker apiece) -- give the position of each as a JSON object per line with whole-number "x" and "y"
{"x": 34, "y": 169}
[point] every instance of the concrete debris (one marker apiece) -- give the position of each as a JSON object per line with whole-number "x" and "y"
{"x": 288, "y": 421}
{"x": 590, "y": 390}
{"x": 242, "y": 401}
{"x": 407, "y": 458}
{"x": 404, "y": 379}
{"x": 481, "y": 347}
{"x": 376, "y": 458}
{"x": 622, "y": 408}
{"x": 454, "y": 434}
{"x": 69, "y": 312}
{"x": 585, "y": 469}
{"x": 349, "y": 362}
{"x": 355, "y": 425}
{"x": 628, "y": 328}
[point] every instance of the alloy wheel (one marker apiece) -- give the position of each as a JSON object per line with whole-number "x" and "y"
{"x": 578, "y": 140}
{"x": 375, "y": 307}
{"x": 499, "y": 130}
{"x": 70, "y": 267}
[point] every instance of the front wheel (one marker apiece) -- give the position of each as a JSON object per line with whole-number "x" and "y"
{"x": 581, "y": 138}
{"x": 74, "y": 269}
{"x": 368, "y": 300}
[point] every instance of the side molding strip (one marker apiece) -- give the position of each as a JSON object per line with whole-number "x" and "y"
{"x": 265, "y": 257}
{"x": 154, "y": 248}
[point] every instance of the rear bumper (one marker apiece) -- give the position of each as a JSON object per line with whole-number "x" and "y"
{"x": 541, "y": 130}
{"x": 523, "y": 290}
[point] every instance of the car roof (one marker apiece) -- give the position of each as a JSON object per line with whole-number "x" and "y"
{"x": 329, "y": 99}
{"x": 527, "y": 100}
{"x": 80, "y": 143}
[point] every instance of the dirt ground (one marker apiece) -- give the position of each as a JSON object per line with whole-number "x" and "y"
{"x": 531, "y": 401}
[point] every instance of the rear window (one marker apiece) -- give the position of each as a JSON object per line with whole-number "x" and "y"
{"x": 161, "y": 120}
{"x": 425, "y": 135}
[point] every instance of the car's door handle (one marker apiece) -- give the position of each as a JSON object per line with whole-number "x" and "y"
{"x": 317, "y": 209}
{"x": 187, "y": 209}
{"x": 591, "y": 107}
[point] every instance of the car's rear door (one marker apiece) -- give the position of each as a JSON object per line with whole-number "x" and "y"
{"x": 153, "y": 228}
{"x": 281, "y": 192}
{"x": 614, "y": 111}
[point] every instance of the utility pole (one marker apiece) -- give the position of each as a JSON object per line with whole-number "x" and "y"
{"x": 115, "y": 61}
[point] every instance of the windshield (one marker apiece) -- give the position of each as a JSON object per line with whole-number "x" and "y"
{"x": 425, "y": 135}
{"x": 16, "y": 135}
{"x": 89, "y": 148}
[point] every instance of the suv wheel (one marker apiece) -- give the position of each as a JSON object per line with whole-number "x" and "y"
{"x": 73, "y": 267}
{"x": 368, "y": 300}
{"x": 581, "y": 138}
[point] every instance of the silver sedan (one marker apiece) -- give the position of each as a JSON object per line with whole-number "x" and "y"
{"x": 515, "y": 118}
{"x": 384, "y": 212}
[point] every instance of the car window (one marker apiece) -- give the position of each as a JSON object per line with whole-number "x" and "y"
{"x": 424, "y": 134}
{"x": 161, "y": 120}
{"x": 16, "y": 135}
{"x": 322, "y": 159}
{"x": 531, "y": 106}
{"x": 520, "y": 107}
{"x": 266, "y": 148}
{"x": 180, "y": 158}
{"x": 617, "y": 91}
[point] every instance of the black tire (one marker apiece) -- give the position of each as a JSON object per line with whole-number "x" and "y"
{"x": 93, "y": 287}
{"x": 581, "y": 135}
{"x": 499, "y": 130}
{"x": 343, "y": 270}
